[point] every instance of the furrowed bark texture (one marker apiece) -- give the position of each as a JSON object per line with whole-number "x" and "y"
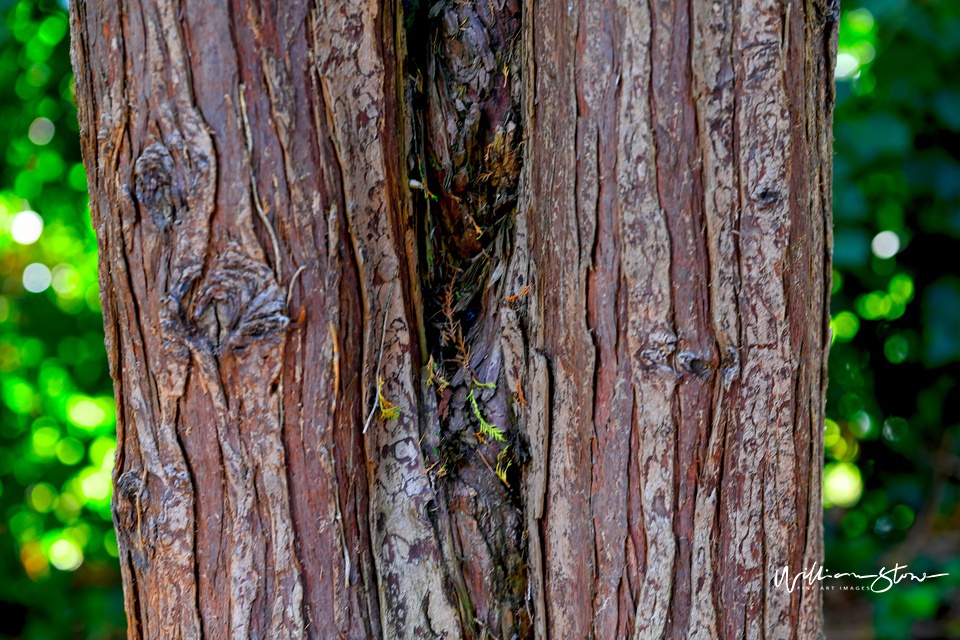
{"x": 567, "y": 384}
{"x": 688, "y": 220}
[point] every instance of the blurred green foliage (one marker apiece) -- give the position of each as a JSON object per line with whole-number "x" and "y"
{"x": 891, "y": 486}
{"x": 891, "y": 478}
{"x": 57, "y": 548}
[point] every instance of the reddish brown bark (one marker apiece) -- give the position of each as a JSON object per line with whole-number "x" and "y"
{"x": 690, "y": 217}
{"x": 568, "y": 384}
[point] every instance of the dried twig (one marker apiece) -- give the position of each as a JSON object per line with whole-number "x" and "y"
{"x": 383, "y": 339}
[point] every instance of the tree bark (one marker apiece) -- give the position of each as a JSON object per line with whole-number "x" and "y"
{"x": 463, "y": 319}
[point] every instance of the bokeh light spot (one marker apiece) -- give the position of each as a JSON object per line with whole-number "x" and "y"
{"x": 42, "y": 497}
{"x": 33, "y": 560}
{"x": 885, "y": 244}
{"x": 65, "y": 280}
{"x": 44, "y": 441}
{"x": 52, "y": 30}
{"x": 26, "y": 227}
{"x": 831, "y": 433}
{"x": 874, "y": 305}
{"x": 862, "y": 426}
{"x": 896, "y": 348}
{"x": 65, "y": 555}
{"x": 19, "y": 395}
{"x": 847, "y": 66}
{"x": 102, "y": 451}
{"x": 41, "y": 131}
{"x": 838, "y": 449}
{"x": 859, "y": 21}
{"x": 845, "y": 326}
{"x": 68, "y": 508}
{"x": 84, "y": 412}
{"x": 95, "y": 484}
{"x": 36, "y": 277}
{"x": 883, "y": 526}
{"x": 842, "y": 484}
{"x": 901, "y": 288}
{"x": 894, "y": 429}
{"x": 70, "y": 451}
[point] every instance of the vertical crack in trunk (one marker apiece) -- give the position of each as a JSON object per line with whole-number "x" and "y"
{"x": 464, "y": 61}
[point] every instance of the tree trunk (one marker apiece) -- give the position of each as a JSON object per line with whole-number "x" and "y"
{"x": 463, "y": 319}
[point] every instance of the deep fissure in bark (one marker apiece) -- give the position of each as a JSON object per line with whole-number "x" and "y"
{"x": 463, "y": 67}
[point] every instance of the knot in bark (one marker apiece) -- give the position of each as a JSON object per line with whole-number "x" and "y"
{"x": 154, "y": 184}
{"x": 130, "y": 511}
{"x": 240, "y": 304}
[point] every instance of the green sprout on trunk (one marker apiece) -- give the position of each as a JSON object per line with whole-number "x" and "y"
{"x": 486, "y": 428}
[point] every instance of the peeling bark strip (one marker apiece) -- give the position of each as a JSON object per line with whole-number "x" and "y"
{"x": 568, "y": 384}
